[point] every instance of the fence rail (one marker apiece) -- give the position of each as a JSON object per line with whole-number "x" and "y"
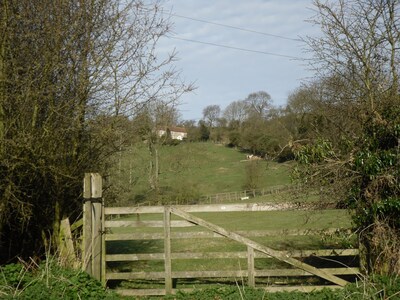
{"x": 246, "y": 194}
{"x": 229, "y": 197}
{"x": 294, "y": 257}
{"x": 104, "y": 225}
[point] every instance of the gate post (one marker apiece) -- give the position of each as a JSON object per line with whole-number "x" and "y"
{"x": 87, "y": 226}
{"x": 167, "y": 250}
{"x": 92, "y": 225}
{"x": 250, "y": 266}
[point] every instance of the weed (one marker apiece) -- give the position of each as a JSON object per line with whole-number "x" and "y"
{"x": 48, "y": 281}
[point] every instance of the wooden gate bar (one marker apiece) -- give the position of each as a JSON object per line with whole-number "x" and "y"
{"x": 274, "y": 253}
{"x": 167, "y": 250}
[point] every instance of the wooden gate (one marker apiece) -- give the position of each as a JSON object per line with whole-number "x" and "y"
{"x": 124, "y": 224}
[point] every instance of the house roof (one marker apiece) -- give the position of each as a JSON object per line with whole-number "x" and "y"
{"x": 174, "y": 129}
{"x": 177, "y": 129}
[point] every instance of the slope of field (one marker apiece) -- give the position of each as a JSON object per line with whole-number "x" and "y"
{"x": 199, "y": 168}
{"x": 209, "y": 169}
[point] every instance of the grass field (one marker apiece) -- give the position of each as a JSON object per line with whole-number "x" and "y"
{"x": 233, "y": 221}
{"x": 212, "y": 168}
{"x": 200, "y": 168}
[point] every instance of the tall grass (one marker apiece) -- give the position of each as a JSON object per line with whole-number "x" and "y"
{"x": 48, "y": 280}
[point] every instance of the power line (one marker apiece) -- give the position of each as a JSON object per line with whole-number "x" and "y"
{"x": 236, "y": 48}
{"x": 237, "y": 28}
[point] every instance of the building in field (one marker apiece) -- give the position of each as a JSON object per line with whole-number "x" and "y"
{"x": 177, "y": 133}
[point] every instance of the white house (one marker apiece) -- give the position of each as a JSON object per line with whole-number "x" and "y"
{"x": 177, "y": 133}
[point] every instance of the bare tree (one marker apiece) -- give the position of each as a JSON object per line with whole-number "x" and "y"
{"x": 236, "y": 111}
{"x": 211, "y": 114}
{"x": 258, "y": 103}
{"x": 357, "y": 58}
{"x": 134, "y": 74}
{"x": 65, "y": 68}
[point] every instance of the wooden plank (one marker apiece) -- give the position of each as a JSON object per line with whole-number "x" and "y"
{"x": 66, "y": 246}
{"x": 96, "y": 188}
{"x": 140, "y": 292}
{"x": 318, "y": 252}
{"x": 343, "y": 271}
{"x": 87, "y": 227}
{"x": 134, "y": 210}
{"x": 209, "y": 274}
{"x": 199, "y": 255}
{"x": 183, "y": 255}
{"x": 77, "y": 224}
{"x": 206, "y": 234}
{"x": 176, "y": 274}
{"x": 227, "y": 273}
{"x": 134, "y": 236}
{"x": 259, "y": 247}
{"x": 87, "y": 186}
{"x": 299, "y": 272}
{"x": 250, "y": 266}
{"x": 103, "y": 248}
{"x": 167, "y": 250}
{"x": 135, "y": 257}
{"x": 264, "y": 206}
{"x": 96, "y": 241}
{"x": 160, "y": 224}
{"x": 290, "y": 232}
{"x": 134, "y": 275}
{"x": 159, "y": 235}
{"x": 194, "y": 235}
{"x": 301, "y": 288}
{"x": 207, "y": 255}
{"x": 262, "y": 273}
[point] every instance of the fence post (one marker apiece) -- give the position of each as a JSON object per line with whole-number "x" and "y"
{"x": 250, "y": 266}
{"x": 87, "y": 226}
{"x": 92, "y": 254}
{"x": 167, "y": 250}
{"x": 67, "y": 249}
{"x": 103, "y": 246}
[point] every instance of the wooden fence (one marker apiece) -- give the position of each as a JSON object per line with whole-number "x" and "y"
{"x": 230, "y": 197}
{"x": 125, "y": 224}
{"x": 246, "y": 194}
{"x": 100, "y": 261}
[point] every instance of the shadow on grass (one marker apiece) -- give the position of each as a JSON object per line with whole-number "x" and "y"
{"x": 134, "y": 247}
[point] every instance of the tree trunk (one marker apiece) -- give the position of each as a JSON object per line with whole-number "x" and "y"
{"x": 3, "y": 75}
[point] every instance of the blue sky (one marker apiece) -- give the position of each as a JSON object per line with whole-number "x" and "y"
{"x": 223, "y": 75}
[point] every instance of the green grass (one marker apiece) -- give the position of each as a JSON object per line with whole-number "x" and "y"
{"x": 202, "y": 168}
{"x": 234, "y": 221}
{"x": 209, "y": 169}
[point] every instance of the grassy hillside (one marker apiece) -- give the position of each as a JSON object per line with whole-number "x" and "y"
{"x": 190, "y": 168}
{"x": 207, "y": 168}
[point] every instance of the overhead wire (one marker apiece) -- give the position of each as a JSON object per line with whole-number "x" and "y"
{"x": 233, "y": 47}
{"x": 236, "y": 48}
{"x": 237, "y": 28}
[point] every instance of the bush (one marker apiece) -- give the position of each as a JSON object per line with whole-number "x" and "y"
{"x": 49, "y": 281}
{"x": 253, "y": 173}
{"x": 14, "y": 275}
